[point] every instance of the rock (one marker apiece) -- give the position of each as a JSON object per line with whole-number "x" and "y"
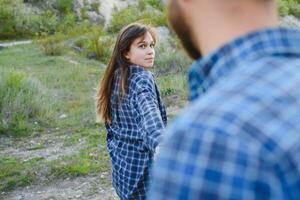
{"x": 163, "y": 33}
{"x": 19, "y": 197}
{"x": 290, "y": 21}
{"x": 92, "y": 55}
{"x": 96, "y": 18}
{"x": 62, "y": 116}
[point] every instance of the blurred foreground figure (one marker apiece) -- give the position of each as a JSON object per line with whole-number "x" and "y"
{"x": 240, "y": 136}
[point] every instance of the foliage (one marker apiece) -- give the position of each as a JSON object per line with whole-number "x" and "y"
{"x": 14, "y": 173}
{"x": 289, "y": 7}
{"x": 95, "y": 43}
{"x": 128, "y": 15}
{"x": 170, "y": 58}
{"x": 21, "y": 102}
{"x": 15, "y": 20}
{"x": 53, "y": 45}
{"x": 63, "y": 6}
{"x": 19, "y": 21}
{"x": 95, "y": 6}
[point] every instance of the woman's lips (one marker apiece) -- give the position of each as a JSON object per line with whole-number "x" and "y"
{"x": 149, "y": 59}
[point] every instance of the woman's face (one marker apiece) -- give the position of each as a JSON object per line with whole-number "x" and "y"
{"x": 141, "y": 51}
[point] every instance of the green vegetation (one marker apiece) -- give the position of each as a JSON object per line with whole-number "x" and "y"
{"x": 53, "y": 45}
{"x": 48, "y": 87}
{"x": 87, "y": 160}
{"x": 64, "y": 6}
{"x": 141, "y": 12}
{"x": 23, "y": 102}
{"x": 170, "y": 57}
{"x": 61, "y": 85}
{"x": 289, "y": 7}
{"x": 15, "y": 173}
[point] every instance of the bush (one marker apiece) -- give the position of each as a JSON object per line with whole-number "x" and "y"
{"x": 95, "y": 7}
{"x": 128, "y": 15}
{"x": 16, "y": 20}
{"x": 53, "y": 45}
{"x": 63, "y": 6}
{"x": 289, "y": 7}
{"x": 66, "y": 23}
{"x": 47, "y": 22}
{"x": 6, "y": 19}
{"x": 156, "y": 4}
{"x": 95, "y": 43}
{"x": 20, "y": 21}
{"x": 21, "y": 103}
{"x": 170, "y": 58}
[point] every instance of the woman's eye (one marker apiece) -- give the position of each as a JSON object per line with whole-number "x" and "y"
{"x": 143, "y": 46}
{"x": 152, "y": 45}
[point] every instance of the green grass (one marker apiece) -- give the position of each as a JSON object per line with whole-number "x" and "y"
{"x": 173, "y": 85}
{"x": 14, "y": 172}
{"x": 71, "y": 85}
{"x": 72, "y": 88}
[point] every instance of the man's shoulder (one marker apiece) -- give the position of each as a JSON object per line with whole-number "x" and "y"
{"x": 252, "y": 105}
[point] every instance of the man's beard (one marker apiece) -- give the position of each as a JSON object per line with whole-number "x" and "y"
{"x": 183, "y": 31}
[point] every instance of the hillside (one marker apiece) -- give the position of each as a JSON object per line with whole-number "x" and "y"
{"x": 50, "y": 146}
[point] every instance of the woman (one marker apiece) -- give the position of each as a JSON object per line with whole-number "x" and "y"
{"x": 129, "y": 104}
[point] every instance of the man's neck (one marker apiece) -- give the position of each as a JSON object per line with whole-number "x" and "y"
{"x": 220, "y": 29}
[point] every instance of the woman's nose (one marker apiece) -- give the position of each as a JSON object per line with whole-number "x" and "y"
{"x": 150, "y": 51}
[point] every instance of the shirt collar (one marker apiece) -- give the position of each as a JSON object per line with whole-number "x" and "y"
{"x": 204, "y": 72}
{"x": 136, "y": 68}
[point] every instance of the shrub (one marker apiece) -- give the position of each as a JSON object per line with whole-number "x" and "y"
{"x": 53, "y": 45}
{"x": 96, "y": 44}
{"x": 156, "y": 4}
{"x": 66, "y": 23}
{"x": 47, "y": 22}
{"x": 170, "y": 58}
{"x": 128, "y": 15}
{"x": 16, "y": 20}
{"x": 103, "y": 47}
{"x": 63, "y": 6}
{"x": 21, "y": 103}
{"x": 289, "y": 7}
{"x": 95, "y": 7}
{"x": 6, "y": 19}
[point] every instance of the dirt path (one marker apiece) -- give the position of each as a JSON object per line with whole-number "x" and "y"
{"x": 8, "y": 44}
{"x": 50, "y": 146}
{"x": 84, "y": 187}
{"x": 81, "y": 188}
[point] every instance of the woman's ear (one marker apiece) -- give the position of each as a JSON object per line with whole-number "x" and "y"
{"x": 127, "y": 55}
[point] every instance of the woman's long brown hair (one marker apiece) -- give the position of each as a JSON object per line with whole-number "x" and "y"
{"x": 118, "y": 61}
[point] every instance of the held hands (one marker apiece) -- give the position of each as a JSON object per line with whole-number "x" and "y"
{"x": 156, "y": 152}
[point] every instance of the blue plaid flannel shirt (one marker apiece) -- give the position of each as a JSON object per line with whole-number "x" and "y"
{"x": 134, "y": 133}
{"x": 240, "y": 136}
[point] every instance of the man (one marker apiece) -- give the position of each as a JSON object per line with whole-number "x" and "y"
{"x": 240, "y": 136}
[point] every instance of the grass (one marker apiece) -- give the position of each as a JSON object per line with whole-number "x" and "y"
{"x": 72, "y": 88}
{"x": 171, "y": 85}
{"x": 14, "y": 172}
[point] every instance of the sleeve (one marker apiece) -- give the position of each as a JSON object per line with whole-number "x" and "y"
{"x": 148, "y": 108}
{"x": 196, "y": 164}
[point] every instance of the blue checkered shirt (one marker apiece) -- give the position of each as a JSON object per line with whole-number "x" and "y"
{"x": 240, "y": 136}
{"x": 135, "y": 131}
